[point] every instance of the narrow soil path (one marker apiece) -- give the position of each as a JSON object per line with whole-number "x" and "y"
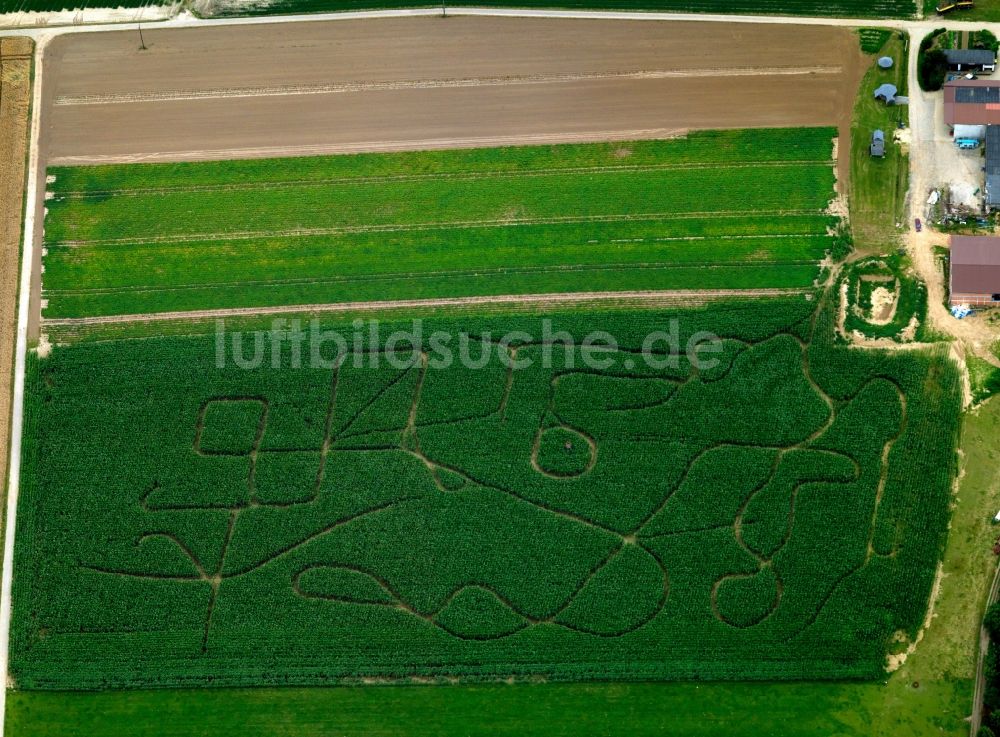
{"x": 541, "y": 300}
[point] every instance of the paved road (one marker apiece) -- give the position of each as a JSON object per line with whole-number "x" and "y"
{"x": 186, "y": 20}
{"x": 20, "y": 354}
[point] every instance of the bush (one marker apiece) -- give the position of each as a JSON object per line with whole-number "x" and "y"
{"x": 992, "y": 621}
{"x": 986, "y": 40}
{"x": 933, "y": 70}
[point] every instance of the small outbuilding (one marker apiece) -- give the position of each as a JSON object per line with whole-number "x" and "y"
{"x": 967, "y": 131}
{"x": 971, "y": 60}
{"x": 877, "y": 146}
{"x": 887, "y": 94}
{"x": 975, "y": 270}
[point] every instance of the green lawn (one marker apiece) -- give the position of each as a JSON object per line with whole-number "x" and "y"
{"x": 878, "y": 186}
{"x": 609, "y": 217}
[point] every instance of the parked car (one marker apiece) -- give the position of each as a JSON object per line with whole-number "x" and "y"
{"x": 918, "y": 225}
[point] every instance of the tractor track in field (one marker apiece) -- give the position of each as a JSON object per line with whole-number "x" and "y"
{"x": 407, "y": 227}
{"x": 539, "y": 300}
{"x": 423, "y": 275}
{"x": 335, "y": 87}
{"x": 429, "y": 84}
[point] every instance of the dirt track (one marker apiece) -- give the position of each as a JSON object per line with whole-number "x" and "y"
{"x": 15, "y": 96}
{"x": 307, "y": 88}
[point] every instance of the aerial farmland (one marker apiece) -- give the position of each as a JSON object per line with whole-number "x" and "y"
{"x": 487, "y": 374}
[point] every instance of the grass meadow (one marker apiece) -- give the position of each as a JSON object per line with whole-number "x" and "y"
{"x": 578, "y": 218}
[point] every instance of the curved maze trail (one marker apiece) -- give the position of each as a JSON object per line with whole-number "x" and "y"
{"x": 633, "y": 547}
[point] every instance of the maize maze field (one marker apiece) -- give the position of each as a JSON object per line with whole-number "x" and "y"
{"x": 776, "y": 513}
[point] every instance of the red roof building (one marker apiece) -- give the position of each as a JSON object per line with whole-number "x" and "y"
{"x": 972, "y": 102}
{"x": 975, "y": 270}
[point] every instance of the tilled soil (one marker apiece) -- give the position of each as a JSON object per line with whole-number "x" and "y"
{"x": 15, "y": 96}
{"x": 426, "y": 82}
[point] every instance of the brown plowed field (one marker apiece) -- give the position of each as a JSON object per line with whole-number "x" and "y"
{"x": 326, "y": 87}
{"x": 15, "y": 100}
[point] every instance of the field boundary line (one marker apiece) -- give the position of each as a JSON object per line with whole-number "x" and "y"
{"x": 267, "y": 152}
{"x": 537, "y": 299}
{"x": 20, "y": 360}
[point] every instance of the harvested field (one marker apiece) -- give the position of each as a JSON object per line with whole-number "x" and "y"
{"x": 401, "y": 518}
{"x": 409, "y": 83}
{"x": 15, "y": 101}
{"x": 646, "y": 215}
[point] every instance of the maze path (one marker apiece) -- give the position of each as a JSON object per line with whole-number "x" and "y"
{"x": 346, "y": 435}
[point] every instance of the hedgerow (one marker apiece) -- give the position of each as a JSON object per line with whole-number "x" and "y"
{"x": 627, "y": 522}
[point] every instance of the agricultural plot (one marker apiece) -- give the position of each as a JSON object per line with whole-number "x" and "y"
{"x": 22, "y": 6}
{"x": 663, "y": 215}
{"x": 15, "y": 101}
{"x": 879, "y": 185}
{"x": 848, "y": 8}
{"x": 233, "y": 8}
{"x": 777, "y": 513}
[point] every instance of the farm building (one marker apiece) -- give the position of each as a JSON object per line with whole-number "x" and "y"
{"x": 975, "y": 270}
{"x": 887, "y": 93}
{"x": 877, "y": 147}
{"x": 971, "y": 60}
{"x": 972, "y": 102}
{"x": 992, "y": 189}
{"x": 973, "y": 132}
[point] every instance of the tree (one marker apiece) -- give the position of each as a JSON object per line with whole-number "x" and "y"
{"x": 933, "y": 70}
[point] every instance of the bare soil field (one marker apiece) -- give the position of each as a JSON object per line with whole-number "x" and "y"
{"x": 15, "y": 97}
{"x": 408, "y": 83}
